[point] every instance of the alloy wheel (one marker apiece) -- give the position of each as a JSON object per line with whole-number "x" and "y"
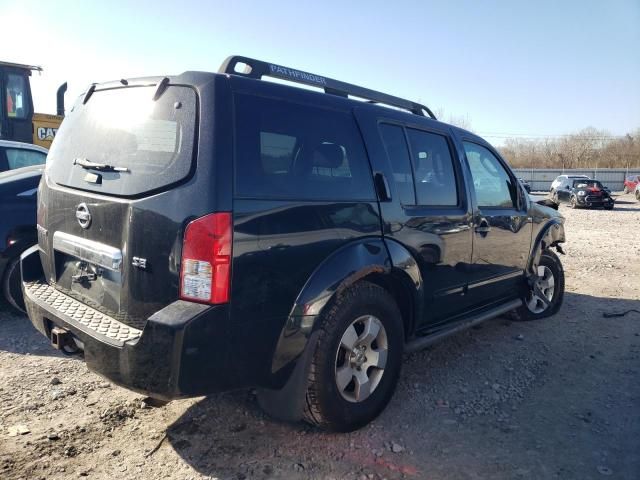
{"x": 361, "y": 358}
{"x": 541, "y": 294}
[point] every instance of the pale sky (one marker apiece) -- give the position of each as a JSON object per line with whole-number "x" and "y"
{"x": 529, "y": 68}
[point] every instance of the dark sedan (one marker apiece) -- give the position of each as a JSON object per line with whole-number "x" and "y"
{"x": 18, "y": 202}
{"x": 587, "y": 193}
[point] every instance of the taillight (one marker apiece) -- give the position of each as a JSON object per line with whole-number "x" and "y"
{"x": 205, "y": 274}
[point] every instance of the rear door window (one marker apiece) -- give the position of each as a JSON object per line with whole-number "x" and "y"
{"x": 397, "y": 149}
{"x": 286, "y": 150}
{"x": 433, "y": 169}
{"x": 21, "y": 157}
{"x": 153, "y": 141}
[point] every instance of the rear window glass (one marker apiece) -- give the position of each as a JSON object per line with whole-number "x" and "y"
{"x": 291, "y": 151}
{"x": 150, "y": 142}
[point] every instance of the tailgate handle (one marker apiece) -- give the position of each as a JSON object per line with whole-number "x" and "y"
{"x": 90, "y": 251}
{"x": 83, "y": 277}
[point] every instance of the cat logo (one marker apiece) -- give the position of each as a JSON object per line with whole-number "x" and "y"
{"x": 45, "y": 133}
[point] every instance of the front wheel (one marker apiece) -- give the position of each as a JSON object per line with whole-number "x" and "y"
{"x": 357, "y": 359}
{"x": 573, "y": 203}
{"x": 546, "y": 292}
{"x": 638, "y": 195}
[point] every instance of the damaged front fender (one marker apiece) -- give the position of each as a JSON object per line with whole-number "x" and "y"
{"x": 548, "y": 231}
{"x": 550, "y": 235}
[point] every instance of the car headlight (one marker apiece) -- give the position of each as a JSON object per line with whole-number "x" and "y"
{"x": 582, "y": 194}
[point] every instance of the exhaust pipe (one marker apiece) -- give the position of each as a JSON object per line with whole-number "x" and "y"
{"x": 60, "y": 99}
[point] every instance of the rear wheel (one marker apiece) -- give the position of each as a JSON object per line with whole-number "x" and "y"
{"x": 11, "y": 285}
{"x": 357, "y": 360}
{"x": 544, "y": 297}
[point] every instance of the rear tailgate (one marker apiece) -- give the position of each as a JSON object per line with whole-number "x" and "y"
{"x": 116, "y": 196}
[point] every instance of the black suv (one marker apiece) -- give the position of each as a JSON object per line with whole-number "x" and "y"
{"x": 206, "y": 232}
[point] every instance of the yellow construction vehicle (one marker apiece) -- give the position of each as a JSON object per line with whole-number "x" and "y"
{"x": 18, "y": 121}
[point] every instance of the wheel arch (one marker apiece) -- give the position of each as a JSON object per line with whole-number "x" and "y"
{"x": 385, "y": 263}
{"x": 550, "y": 235}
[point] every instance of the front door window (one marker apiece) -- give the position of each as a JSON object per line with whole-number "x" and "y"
{"x": 493, "y": 185}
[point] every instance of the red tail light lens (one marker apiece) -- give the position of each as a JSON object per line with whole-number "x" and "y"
{"x": 205, "y": 272}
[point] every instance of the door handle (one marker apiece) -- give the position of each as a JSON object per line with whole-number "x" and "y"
{"x": 382, "y": 187}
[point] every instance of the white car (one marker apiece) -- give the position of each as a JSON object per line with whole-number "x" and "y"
{"x": 17, "y": 155}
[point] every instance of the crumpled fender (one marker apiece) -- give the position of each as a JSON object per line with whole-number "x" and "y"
{"x": 550, "y": 235}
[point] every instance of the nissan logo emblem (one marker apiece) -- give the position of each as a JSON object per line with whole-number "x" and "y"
{"x": 83, "y": 215}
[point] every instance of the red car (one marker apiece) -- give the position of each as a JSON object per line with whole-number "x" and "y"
{"x": 630, "y": 183}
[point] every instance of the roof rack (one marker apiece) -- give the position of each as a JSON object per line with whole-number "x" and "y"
{"x": 257, "y": 69}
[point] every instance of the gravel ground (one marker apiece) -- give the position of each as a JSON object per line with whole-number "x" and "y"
{"x": 558, "y": 398}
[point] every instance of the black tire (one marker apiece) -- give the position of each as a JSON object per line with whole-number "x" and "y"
{"x": 573, "y": 203}
{"x": 609, "y": 207}
{"x": 12, "y": 285}
{"x": 552, "y": 262}
{"x": 638, "y": 195}
{"x": 325, "y": 405}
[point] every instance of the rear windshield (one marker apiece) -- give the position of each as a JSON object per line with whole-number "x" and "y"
{"x": 150, "y": 143}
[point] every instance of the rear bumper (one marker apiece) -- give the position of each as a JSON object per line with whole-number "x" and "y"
{"x": 180, "y": 352}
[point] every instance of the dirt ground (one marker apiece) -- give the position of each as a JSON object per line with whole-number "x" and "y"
{"x": 558, "y": 398}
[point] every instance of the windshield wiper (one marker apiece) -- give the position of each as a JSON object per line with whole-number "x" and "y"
{"x": 103, "y": 167}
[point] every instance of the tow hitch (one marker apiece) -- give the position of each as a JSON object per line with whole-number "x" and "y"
{"x": 62, "y": 339}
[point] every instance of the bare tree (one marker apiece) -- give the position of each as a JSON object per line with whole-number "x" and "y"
{"x": 588, "y": 148}
{"x": 462, "y": 121}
